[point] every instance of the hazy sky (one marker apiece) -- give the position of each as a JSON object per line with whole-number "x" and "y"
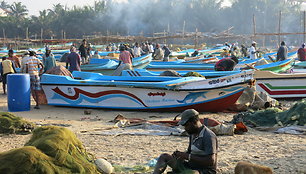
{"x": 34, "y": 6}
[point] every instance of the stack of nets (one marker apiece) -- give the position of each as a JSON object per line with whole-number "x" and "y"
{"x": 193, "y": 74}
{"x": 296, "y": 115}
{"x": 50, "y": 150}
{"x": 9, "y": 123}
{"x": 59, "y": 70}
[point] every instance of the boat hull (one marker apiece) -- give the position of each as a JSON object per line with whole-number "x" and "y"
{"x": 281, "y": 85}
{"x": 125, "y": 98}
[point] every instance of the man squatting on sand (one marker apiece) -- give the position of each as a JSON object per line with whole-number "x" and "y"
{"x": 201, "y": 155}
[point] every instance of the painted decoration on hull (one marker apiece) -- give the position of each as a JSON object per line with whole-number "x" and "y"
{"x": 76, "y": 96}
{"x": 280, "y": 90}
{"x": 81, "y": 95}
{"x": 192, "y": 96}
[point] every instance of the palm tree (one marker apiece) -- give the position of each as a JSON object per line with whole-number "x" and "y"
{"x": 18, "y": 10}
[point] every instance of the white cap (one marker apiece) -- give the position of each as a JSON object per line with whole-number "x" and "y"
{"x": 253, "y": 42}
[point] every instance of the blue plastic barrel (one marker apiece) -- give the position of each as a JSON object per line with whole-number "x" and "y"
{"x": 18, "y": 92}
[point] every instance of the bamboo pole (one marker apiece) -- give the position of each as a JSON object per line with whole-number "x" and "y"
{"x": 254, "y": 25}
{"x": 279, "y": 26}
{"x": 304, "y": 26}
{"x": 27, "y": 33}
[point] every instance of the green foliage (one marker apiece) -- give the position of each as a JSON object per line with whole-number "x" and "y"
{"x": 9, "y": 123}
{"x": 50, "y": 150}
{"x": 151, "y": 16}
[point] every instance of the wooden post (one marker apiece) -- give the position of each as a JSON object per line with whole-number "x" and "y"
{"x": 254, "y": 25}
{"x": 27, "y": 33}
{"x": 3, "y": 31}
{"x": 279, "y": 26}
{"x": 196, "y": 39}
{"x": 304, "y": 26}
{"x": 184, "y": 25}
{"x": 41, "y": 33}
{"x": 4, "y": 40}
{"x": 165, "y": 40}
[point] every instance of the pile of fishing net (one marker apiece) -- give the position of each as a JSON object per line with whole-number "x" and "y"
{"x": 296, "y": 115}
{"x": 176, "y": 74}
{"x": 9, "y": 123}
{"x": 193, "y": 74}
{"x": 50, "y": 150}
{"x": 59, "y": 70}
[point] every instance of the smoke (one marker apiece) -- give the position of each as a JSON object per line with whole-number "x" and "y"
{"x": 146, "y": 17}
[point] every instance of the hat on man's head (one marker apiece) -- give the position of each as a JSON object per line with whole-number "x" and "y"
{"x": 253, "y": 42}
{"x": 187, "y": 115}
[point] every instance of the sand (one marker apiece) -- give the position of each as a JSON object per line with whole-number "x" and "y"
{"x": 284, "y": 153}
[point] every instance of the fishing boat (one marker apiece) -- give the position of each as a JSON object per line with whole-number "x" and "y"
{"x": 108, "y": 66}
{"x": 94, "y": 90}
{"x": 281, "y": 85}
{"x": 205, "y": 73}
{"x": 280, "y": 66}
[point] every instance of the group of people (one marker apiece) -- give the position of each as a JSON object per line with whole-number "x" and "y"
{"x": 127, "y": 54}
{"x": 85, "y": 51}
{"x": 231, "y": 54}
{"x": 29, "y": 64}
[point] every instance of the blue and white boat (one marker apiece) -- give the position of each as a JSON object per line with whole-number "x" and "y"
{"x": 108, "y": 66}
{"x": 95, "y": 90}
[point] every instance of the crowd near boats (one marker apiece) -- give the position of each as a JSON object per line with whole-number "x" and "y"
{"x": 157, "y": 78}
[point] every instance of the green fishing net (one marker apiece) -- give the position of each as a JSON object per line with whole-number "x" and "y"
{"x": 51, "y": 150}
{"x": 9, "y": 123}
{"x": 296, "y": 115}
{"x": 193, "y": 74}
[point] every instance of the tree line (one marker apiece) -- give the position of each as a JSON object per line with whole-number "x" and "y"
{"x": 146, "y": 17}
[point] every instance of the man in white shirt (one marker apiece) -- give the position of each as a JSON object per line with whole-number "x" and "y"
{"x": 151, "y": 48}
{"x": 253, "y": 51}
{"x": 137, "y": 50}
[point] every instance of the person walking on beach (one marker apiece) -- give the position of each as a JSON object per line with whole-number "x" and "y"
{"x": 253, "y": 51}
{"x": 48, "y": 60}
{"x": 73, "y": 60}
{"x": 6, "y": 67}
{"x": 158, "y": 53}
{"x": 282, "y": 52}
{"x": 302, "y": 53}
{"x": 125, "y": 61}
{"x": 167, "y": 53}
{"x": 34, "y": 67}
{"x": 201, "y": 155}
{"x": 137, "y": 50}
{"x": 244, "y": 51}
{"x": 83, "y": 51}
{"x": 13, "y": 58}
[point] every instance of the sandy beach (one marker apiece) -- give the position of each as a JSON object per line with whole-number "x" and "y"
{"x": 284, "y": 153}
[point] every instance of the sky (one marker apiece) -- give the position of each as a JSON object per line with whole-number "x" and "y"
{"x": 34, "y": 6}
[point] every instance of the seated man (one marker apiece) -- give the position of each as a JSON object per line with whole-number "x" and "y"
{"x": 201, "y": 155}
{"x": 226, "y": 64}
